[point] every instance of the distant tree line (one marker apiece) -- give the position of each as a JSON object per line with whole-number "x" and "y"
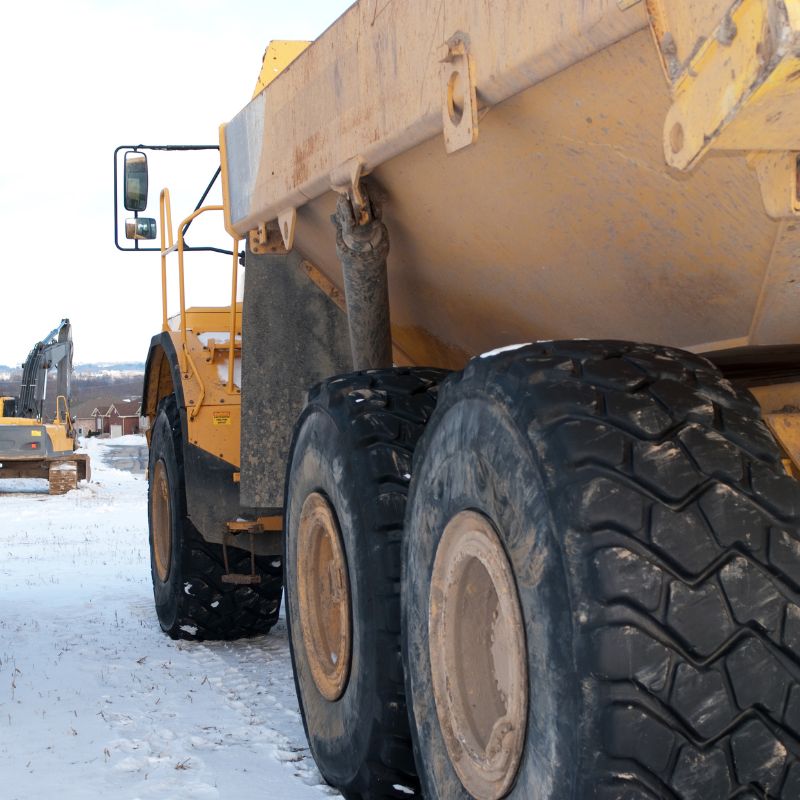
{"x": 88, "y": 391}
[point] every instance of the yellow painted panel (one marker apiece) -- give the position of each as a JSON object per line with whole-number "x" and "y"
{"x": 202, "y": 318}
{"x": 777, "y": 398}
{"x": 278, "y": 55}
{"x": 213, "y": 410}
{"x": 786, "y": 429}
{"x": 60, "y": 440}
{"x": 681, "y": 26}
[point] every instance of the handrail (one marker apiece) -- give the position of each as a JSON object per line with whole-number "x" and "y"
{"x": 181, "y": 282}
{"x": 165, "y": 212}
{"x": 61, "y": 399}
{"x": 202, "y": 394}
{"x": 232, "y": 342}
{"x": 164, "y": 203}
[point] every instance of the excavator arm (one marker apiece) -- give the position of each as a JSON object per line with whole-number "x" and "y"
{"x": 54, "y": 351}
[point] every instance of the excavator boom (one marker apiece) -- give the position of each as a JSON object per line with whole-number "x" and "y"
{"x": 54, "y": 351}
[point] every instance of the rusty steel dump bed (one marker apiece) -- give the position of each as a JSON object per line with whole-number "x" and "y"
{"x": 613, "y": 179}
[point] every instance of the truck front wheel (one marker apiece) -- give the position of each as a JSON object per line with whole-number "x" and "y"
{"x": 600, "y": 587}
{"x": 192, "y": 601}
{"x": 346, "y": 490}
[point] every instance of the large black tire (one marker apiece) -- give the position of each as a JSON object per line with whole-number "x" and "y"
{"x": 654, "y": 543}
{"x": 351, "y": 456}
{"x": 192, "y": 602}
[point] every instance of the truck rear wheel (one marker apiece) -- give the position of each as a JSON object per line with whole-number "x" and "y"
{"x": 192, "y": 601}
{"x": 346, "y": 490}
{"x": 601, "y": 583}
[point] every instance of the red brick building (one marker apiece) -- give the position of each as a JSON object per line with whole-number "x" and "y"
{"x": 119, "y": 419}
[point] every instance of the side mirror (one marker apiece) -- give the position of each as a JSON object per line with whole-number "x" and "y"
{"x": 140, "y": 228}
{"x": 135, "y": 182}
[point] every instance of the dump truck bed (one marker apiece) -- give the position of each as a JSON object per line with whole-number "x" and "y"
{"x": 562, "y": 219}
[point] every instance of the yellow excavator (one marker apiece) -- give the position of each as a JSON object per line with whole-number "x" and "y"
{"x": 31, "y": 447}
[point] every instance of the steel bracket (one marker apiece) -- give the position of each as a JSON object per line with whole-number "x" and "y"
{"x": 346, "y": 180}
{"x": 287, "y": 221}
{"x": 779, "y": 404}
{"x": 267, "y": 238}
{"x": 740, "y": 90}
{"x": 785, "y": 427}
{"x": 778, "y": 178}
{"x": 460, "y": 107}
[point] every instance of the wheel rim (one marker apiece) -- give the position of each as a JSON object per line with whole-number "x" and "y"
{"x": 160, "y": 521}
{"x": 478, "y": 656}
{"x": 324, "y": 597}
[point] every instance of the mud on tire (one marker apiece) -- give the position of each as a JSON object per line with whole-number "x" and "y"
{"x": 191, "y": 600}
{"x": 654, "y": 543}
{"x": 346, "y": 491}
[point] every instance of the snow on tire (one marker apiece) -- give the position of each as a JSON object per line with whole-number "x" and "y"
{"x": 640, "y": 507}
{"x": 192, "y": 601}
{"x": 347, "y": 481}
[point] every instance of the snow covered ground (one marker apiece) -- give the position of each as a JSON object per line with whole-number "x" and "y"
{"x": 94, "y": 700}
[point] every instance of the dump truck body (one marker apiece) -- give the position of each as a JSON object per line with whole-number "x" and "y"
{"x": 566, "y": 194}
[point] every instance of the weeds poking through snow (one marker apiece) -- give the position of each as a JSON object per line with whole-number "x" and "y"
{"x": 80, "y": 640}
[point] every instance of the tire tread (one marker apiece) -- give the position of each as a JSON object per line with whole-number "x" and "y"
{"x": 384, "y": 412}
{"x": 681, "y": 539}
{"x": 208, "y": 608}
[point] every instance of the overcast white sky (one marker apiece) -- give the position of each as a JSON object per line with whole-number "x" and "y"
{"x": 78, "y": 79}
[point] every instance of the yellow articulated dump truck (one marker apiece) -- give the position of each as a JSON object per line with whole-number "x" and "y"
{"x": 32, "y": 446}
{"x": 561, "y": 570}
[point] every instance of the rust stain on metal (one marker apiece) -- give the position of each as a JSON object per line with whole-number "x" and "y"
{"x": 302, "y": 155}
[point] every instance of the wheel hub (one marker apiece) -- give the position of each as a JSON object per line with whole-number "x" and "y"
{"x": 478, "y": 656}
{"x": 160, "y": 521}
{"x": 324, "y": 597}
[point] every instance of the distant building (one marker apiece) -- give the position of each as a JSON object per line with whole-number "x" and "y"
{"x": 87, "y": 425}
{"x": 119, "y": 419}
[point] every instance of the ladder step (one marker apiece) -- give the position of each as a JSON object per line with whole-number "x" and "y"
{"x": 244, "y": 526}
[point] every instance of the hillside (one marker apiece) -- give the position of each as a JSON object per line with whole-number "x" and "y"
{"x": 93, "y": 386}
{"x": 96, "y": 391}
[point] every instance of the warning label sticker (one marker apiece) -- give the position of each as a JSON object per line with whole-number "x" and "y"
{"x": 222, "y": 417}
